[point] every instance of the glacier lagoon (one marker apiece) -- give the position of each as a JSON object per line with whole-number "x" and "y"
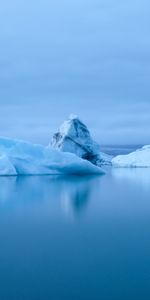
{"x": 71, "y": 151}
{"x": 73, "y": 237}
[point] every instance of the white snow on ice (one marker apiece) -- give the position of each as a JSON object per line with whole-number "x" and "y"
{"x": 140, "y": 159}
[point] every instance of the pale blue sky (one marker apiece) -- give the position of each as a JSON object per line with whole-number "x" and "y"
{"x": 91, "y": 58}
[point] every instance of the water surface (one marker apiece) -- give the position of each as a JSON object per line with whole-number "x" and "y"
{"x": 72, "y": 238}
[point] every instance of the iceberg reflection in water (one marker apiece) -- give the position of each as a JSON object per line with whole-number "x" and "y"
{"x": 71, "y": 193}
{"x": 139, "y": 176}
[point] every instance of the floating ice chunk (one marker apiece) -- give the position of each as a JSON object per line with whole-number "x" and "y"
{"x": 22, "y": 158}
{"x": 138, "y": 158}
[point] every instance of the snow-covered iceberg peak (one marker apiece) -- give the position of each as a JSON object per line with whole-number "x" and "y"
{"x": 139, "y": 158}
{"x": 73, "y": 136}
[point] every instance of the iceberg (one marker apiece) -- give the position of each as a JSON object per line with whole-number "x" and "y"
{"x": 18, "y": 157}
{"x": 137, "y": 159}
{"x": 73, "y": 136}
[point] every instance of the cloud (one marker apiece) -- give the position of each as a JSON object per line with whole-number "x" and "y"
{"x": 91, "y": 58}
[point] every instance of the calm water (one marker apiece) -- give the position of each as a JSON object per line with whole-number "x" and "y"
{"x": 72, "y": 238}
{"x": 119, "y": 149}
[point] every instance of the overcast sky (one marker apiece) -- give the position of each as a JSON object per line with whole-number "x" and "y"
{"x": 88, "y": 57}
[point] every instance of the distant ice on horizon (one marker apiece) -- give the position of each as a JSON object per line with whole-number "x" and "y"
{"x": 138, "y": 159}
